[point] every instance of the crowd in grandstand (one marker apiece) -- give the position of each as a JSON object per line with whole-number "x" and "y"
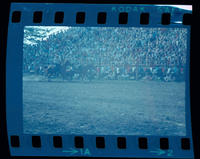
{"x": 112, "y": 53}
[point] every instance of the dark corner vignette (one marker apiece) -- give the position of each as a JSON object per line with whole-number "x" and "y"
{"x": 194, "y": 62}
{"x": 4, "y": 11}
{"x": 193, "y": 65}
{"x": 109, "y": 1}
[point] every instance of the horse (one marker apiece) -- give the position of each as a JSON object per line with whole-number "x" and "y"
{"x": 85, "y": 72}
{"x": 67, "y": 71}
{"x": 52, "y": 71}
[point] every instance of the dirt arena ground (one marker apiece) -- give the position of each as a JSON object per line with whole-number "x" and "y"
{"x": 104, "y": 107}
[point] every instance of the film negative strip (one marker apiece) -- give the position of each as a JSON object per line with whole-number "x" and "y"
{"x": 98, "y": 80}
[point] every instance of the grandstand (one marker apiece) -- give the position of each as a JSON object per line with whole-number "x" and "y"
{"x": 132, "y": 53}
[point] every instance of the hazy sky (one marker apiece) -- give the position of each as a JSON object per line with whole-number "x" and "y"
{"x": 186, "y": 7}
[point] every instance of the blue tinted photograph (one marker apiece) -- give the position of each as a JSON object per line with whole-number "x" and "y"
{"x": 104, "y": 80}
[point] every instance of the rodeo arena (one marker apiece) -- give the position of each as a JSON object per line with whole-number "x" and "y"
{"x": 104, "y": 80}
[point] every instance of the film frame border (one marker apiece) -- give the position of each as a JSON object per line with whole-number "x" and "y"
{"x": 43, "y": 24}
